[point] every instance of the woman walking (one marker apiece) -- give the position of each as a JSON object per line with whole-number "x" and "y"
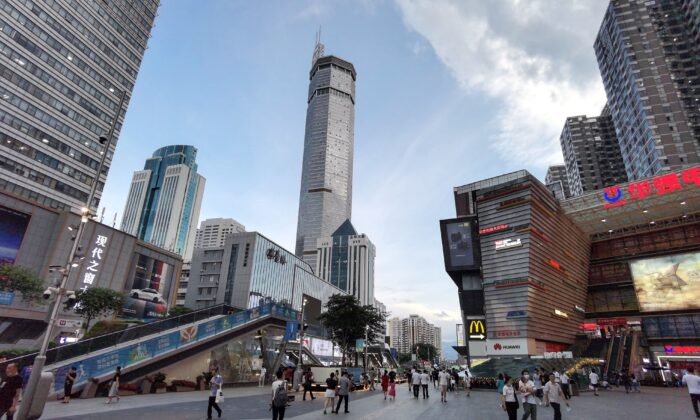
{"x": 385, "y": 383}
{"x": 392, "y": 389}
{"x": 114, "y": 388}
{"x": 331, "y": 386}
{"x": 509, "y": 401}
{"x": 500, "y": 383}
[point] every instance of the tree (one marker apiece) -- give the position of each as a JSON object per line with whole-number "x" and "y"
{"x": 425, "y": 351}
{"x": 178, "y": 310}
{"x": 404, "y": 358}
{"x": 96, "y": 302}
{"x": 349, "y": 321}
{"x": 14, "y": 278}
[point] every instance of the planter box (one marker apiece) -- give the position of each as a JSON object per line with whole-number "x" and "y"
{"x": 179, "y": 388}
{"x": 161, "y": 390}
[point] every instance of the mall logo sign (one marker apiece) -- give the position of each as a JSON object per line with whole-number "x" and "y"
{"x": 499, "y": 347}
{"x": 508, "y": 243}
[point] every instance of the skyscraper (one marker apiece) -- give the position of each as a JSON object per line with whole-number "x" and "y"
{"x": 164, "y": 200}
{"x": 557, "y": 174}
{"x": 346, "y": 260}
{"x": 213, "y": 232}
{"x": 591, "y": 153}
{"x": 405, "y": 333}
{"x": 649, "y": 58}
{"x": 325, "y": 199}
{"x": 63, "y": 68}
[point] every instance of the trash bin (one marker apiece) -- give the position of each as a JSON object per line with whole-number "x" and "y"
{"x": 574, "y": 389}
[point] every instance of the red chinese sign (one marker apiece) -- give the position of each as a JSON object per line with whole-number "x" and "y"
{"x": 612, "y": 321}
{"x": 663, "y": 184}
{"x": 682, "y": 349}
{"x": 507, "y": 333}
{"x": 493, "y": 229}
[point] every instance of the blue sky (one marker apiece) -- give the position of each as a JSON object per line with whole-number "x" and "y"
{"x": 448, "y": 92}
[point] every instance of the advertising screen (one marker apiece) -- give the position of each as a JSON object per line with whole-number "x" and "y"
{"x": 667, "y": 283}
{"x": 147, "y": 292}
{"x": 321, "y": 347}
{"x": 13, "y": 225}
{"x": 458, "y": 237}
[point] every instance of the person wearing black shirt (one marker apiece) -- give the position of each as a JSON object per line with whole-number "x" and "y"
{"x": 10, "y": 390}
{"x": 68, "y": 384}
{"x": 331, "y": 385}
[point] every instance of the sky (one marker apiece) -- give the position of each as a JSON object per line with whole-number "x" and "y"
{"x": 448, "y": 93}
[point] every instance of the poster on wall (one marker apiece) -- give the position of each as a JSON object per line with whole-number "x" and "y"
{"x": 13, "y": 226}
{"x": 148, "y": 290}
{"x": 667, "y": 283}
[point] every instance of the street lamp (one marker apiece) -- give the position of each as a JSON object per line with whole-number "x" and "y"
{"x": 40, "y": 360}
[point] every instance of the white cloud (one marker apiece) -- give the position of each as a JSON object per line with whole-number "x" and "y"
{"x": 535, "y": 58}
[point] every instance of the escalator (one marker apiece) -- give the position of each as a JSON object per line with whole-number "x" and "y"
{"x": 612, "y": 359}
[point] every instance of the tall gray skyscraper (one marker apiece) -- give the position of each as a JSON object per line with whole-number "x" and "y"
{"x": 591, "y": 153}
{"x": 648, "y": 53}
{"x": 557, "y": 174}
{"x": 63, "y": 66}
{"x": 325, "y": 200}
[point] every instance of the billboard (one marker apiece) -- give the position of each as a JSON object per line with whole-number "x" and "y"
{"x": 459, "y": 243}
{"x": 321, "y": 347}
{"x": 13, "y": 226}
{"x": 667, "y": 283}
{"x": 148, "y": 289}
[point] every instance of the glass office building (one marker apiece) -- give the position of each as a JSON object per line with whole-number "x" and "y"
{"x": 63, "y": 67}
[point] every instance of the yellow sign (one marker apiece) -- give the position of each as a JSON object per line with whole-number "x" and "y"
{"x": 477, "y": 327}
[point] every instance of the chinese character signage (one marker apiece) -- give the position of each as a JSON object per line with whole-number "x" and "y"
{"x": 663, "y": 184}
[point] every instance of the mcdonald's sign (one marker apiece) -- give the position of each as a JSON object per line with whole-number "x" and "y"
{"x": 477, "y": 329}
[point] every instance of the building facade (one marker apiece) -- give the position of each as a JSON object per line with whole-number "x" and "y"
{"x": 325, "y": 199}
{"x": 648, "y": 53}
{"x": 556, "y": 174}
{"x": 416, "y": 330}
{"x": 213, "y": 232}
{"x": 346, "y": 260}
{"x": 248, "y": 268}
{"x": 591, "y": 153}
{"x": 164, "y": 200}
{"x": 63, "y": 68}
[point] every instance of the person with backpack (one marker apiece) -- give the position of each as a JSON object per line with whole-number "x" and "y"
{"x": 308, "y": 380}
{"x": 279, "y": 397}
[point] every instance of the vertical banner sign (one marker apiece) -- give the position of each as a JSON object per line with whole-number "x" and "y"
{"x": 290, "y": 333}
{"x": 460, "y": 335}
{"x": 359, "y": 345}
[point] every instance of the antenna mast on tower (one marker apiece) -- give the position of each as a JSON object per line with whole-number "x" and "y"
{"x": 318, "y": 49}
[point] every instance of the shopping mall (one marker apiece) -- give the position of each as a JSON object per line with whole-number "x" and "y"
{"x": 613, "y": 274}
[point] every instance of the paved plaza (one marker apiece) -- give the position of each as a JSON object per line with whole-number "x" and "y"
{"x": 252, "y": 404}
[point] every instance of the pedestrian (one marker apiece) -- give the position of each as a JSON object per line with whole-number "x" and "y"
{"x": 331, "y": 389}
{"x": 409, "y": 376}
{"x": 692, "y": 380}
{"x": 215, "y": 384}
{"x": 593, "y": 378}
{"x": 500, "y": 383}
{"x": 416, "y": 378}
{"x": 261, "y": 381}
{"x": 10, "y": 391}
{"x": 114, "y": 387}
{"x": 424, "y": 382}
{"x": 625, "y": 378}
{"x": 308, "y": 381}
{"x": 537, "y": 379}
{"x": 443, "y": 380}
{"x": 526, "y": 388}
{"x": 553, "y": 396}
{"x": 372, "y": 378}
{"x": 565, "y": 385}
{"x": 68, "y": 384}
{"x": 343, "y": 391}
{"x": 392, "y": 389}
{"x": 434, "y": 376}
{"x": 279, "y": 397}
{"x": 467, "y": 383}
{"x": 509, "y": 401}
{"x": 635, "y": 383}
{"x": 385, "y": 383}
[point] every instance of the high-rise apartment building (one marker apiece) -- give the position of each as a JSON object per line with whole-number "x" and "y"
{"x": 325, "y": 199}
{"x": 404, "y": 333}
{"x": 591, "y": 153}
{"x": 346, "y": 260}
{"x": 393, "y": 330}
{"x": 164, "y": 200}
{"x": 649, "y": 58}
{"x": 556, "y": 174}
{"x": 63, "y": 68}
{"x": 212, "y": 232}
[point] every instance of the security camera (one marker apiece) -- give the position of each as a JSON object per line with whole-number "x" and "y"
{"x": 50, "y": 292}
{"x": 71, "y": 297}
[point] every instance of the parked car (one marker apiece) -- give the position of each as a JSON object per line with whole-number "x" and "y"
{"x": 147, "y": 294}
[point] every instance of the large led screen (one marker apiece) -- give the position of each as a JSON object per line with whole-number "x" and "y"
{"x": 13, "y": 226}
{"x": 460, "y": 245}
{"x": 667, "y": 283}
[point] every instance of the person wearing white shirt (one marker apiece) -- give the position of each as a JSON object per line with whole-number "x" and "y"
{"x": 424, "y": 381}
{"x": 261, "y": 381}
{"x": 526, "y": 388}
{"x": 509, "y": 401}
{"x": 593, "y": 377}
{"x": 692, "y": 380}
{"x": 565, "y": 385}
{"x": 416, "y": 378}
{"x": 443, "y": 381}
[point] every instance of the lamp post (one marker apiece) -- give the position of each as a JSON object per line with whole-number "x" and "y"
{"x": 29, "y": 393}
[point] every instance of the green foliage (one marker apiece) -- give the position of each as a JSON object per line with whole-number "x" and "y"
{"x": 14, "y": 278}
{"x": 16, "y": 352}
{"x": 178, "y": 310}
{"x": 404, "y": 358}
{"x": 349, "y": 321}
{"x": 96, "y": 302}
{"x": 106, "y": 327}
{"x": 425, "y": 351}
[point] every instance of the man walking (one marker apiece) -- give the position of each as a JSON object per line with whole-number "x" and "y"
{"x": 552, "y": 396}
{"x": 527, "y": 389}
{"x": 343, "y": 391}
{"x": 10, "y": 391}
{"x": 443, "y": 381}
{"x": 565, "y": 385}
{"x": 308, "y": 380}
{"x": 593, "y": 377}
{"x": 215, "y": 386}
{"x": 424, "y": 382}
{"x": 692, "y": 380}
{"x": 416, "y": 378}
{"x": 279, "y": 397}
{"x": 372, "y": 378}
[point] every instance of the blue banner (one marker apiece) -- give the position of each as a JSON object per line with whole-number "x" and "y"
{"x": 6, "y": 298}
{"x": 290, "y": 333}
{"x": 207, "y": 329}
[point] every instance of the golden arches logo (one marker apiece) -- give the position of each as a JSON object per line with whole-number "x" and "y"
{"x": 477, "y": 327}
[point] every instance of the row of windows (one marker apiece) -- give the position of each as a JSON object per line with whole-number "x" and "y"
{"x": 32, "y": 195}
{"x": 42, "y": 179}
{"x": 50, "y": 141}
{"x": 43, "y": 158}
{"x": 44, "y": 97}
{"x": 60, "y": 48}
{"x": 143, "y": 34}
{"x": 59, "y": 65}
{"x": 672, "y": 326}
{"x": 612, "y": 300}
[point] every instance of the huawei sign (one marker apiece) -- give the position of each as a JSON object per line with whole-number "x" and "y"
{"x": 499, "y": 346}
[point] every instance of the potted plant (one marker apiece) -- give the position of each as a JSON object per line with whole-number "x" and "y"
{"x": 182, "y": 385}
{"x": 158, "y": 383}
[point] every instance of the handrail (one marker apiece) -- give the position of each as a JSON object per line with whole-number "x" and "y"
{"x": 114, "y": 338}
